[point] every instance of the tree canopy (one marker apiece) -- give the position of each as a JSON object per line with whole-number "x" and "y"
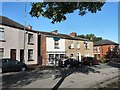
{"x": 91, "y": 37}
{"x": 56, "y": 11}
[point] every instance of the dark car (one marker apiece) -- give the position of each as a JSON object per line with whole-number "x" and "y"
{"x": 71, "y": 63}
{"x": 12, "y": 65}
{"x": 90, "y": 61}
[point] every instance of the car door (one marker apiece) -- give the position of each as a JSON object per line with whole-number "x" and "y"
{"x": 13, "y": 65}
{"x": 6, "y": 65}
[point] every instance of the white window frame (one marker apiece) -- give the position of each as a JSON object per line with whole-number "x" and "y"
{"x": 71, "y": 44}
{"x": 56, "y": 46}
{"x": 2, "y": 33}
{"x": 30, "y": 38}
{"x": 30, "y": 55}
{"x": 98, "y": 49}
{"x": 78, "y": 45}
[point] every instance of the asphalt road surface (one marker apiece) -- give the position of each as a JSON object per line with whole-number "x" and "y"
{"x": 20, "y": 79}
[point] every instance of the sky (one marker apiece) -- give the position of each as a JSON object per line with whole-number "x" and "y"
{"x": 103, "y": 24}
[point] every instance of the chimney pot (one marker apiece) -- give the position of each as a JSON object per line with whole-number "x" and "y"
{"x": 73, "y": 34}
{"x": 55, "y": 31}
{"x": 30, "y": 27}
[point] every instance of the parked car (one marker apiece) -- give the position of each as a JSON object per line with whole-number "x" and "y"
{"x": 12, "y": 65}
{"x": 90, "y": 61}
{"x": 71, "y": 63}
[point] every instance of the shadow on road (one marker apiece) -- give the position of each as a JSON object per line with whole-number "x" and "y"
{"x": 114, "y": 64}
{"x": 66, "y": 72}
{"x": 19, "y": 79}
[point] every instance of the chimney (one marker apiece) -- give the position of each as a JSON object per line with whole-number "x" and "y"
{"x": 73, "y": 34}
{"x": 29, "y": 27}
{"x": 55, "y": 31}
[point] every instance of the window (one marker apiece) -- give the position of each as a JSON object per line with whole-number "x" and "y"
{"x": 71, "y": 44}
{"x": 98, "y": 56}
{"x": 62, "y": 56}
{"x": 56, "y": 44}
{"x": 51, "y": 58}
{"x": 1, "y": 52}
{"x": 30, "y": 55}
{"x": 78, "y": 45}
{"x": 95, "y": 49}
{"x": 98, "y": 49}
{"x": 86, "y": 45}
{"x": 71, "y": 55}
{"x": 30, "y": 38}
{"x": 1, "y": 33}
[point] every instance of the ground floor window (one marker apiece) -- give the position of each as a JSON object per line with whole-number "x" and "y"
{"x": 62, "y": 56}
{"x": 98, "y": 56}
{"x": 51, "y": 58}
{"x": 71, "y": 55}
{"x": 1, "y": 52}
{"x": 30, "y": 55}
{"x": 55, "y": 58}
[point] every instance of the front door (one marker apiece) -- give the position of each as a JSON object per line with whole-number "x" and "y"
{"x": 21, "y": 55}
{"x": 56, "y": 59}
{"x": 13, "y": 53}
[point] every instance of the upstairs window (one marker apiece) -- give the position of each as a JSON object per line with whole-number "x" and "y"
{"x": 86, "y": 45}
{"x": 95, "y": 49}
{"x": 56, "y": 44}
{"x": 78, "y": 45}
{"x": 30, "y": 38}
{"x": 1, "y": 33}
{"x": 98, "y": 49}
{"x": 71, "y": 44}
{"x": 71, "y": 55}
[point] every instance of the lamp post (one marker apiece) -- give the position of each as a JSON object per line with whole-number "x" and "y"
{"x": 25, "y": 32}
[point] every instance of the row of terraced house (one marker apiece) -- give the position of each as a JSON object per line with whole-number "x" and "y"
{"x": 41, "y": 48}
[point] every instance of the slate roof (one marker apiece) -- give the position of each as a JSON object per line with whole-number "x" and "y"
{"x": 105, "y": 42}
{"x": 8, "y": 22}
{"x": 50, "y": 34}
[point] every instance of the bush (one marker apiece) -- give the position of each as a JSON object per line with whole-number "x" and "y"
{"x": 103, "y": 60}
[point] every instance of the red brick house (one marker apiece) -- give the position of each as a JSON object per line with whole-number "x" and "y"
{"x": 103, "y": 47}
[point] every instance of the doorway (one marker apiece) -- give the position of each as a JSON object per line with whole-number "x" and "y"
{"x": 21, "y": 55}
{"x": 13, "y": 53}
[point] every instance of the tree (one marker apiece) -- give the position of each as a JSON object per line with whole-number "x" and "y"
{"x": 91, "y": 37}
{"x": 57, "y": 10}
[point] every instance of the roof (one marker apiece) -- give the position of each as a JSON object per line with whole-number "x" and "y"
{"x": 105, "y": 42}
{"x": 8, "y": 22}
{"x": 50, "y": 34}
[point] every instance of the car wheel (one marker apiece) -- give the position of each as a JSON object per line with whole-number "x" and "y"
{"x": 90, "y": 64}
{"x": 23, "y": 69}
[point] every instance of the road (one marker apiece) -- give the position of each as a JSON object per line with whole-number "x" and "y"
{"x": 58, "y": 78}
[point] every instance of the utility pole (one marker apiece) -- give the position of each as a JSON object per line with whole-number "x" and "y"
{"x": 25, "y": 32}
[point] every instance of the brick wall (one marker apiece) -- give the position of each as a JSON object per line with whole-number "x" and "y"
{"x": 43, "y": 50}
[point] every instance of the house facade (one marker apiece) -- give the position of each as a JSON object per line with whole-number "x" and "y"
{"x": 78, "y": 47}
{"x": 102, "y": 48}
{"x": 43, "y": 48}
{"x": 12, "y": 42}
{"x": 52, "y": 48}
{"x": 58, "y": 46}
